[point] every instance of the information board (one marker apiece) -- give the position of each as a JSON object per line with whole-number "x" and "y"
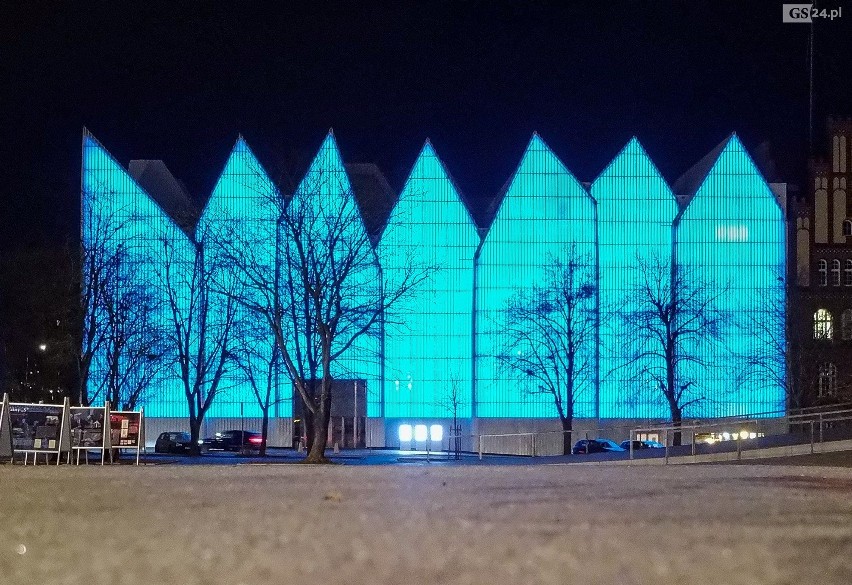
{"x": 125, "y": 429}
{"x": 87, "y": 427}
{"x": 36, "y": 427}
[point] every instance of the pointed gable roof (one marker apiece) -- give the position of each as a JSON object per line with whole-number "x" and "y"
{"x": 89, "y": 141}
{"x": 535, "y": 144}
{"x": 241, "y": 162}
{"x": 326, "y": 165}
{"x": 688, "y": 184}
{"x": 427, "y": 151}
{"x": 461, "y": 194}
{"x": 730, "y": 158}
{"x": 621, "y": 163}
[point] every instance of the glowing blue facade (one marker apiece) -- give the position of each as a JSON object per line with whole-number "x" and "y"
{"x": 428, "y": 339}
{"x": 240, "y": 220}
{"x": 123, "y": 223}
{"x": 729, "y": 232}
{"x": 326, "y": 202}
{"x": 731, "y": 237}
{"x": 545, "y": 213}
{"x": 636, "y": 209}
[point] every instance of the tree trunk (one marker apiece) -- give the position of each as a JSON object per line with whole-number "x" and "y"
{"x": 316, "y": 452}
{"x": 82, "y": 383}
{"x": 194, "y": 435}
{"x": 264, "y": 431}
{"x": 677, "y": 418}
{"x": 308, "y": 424}
{"x": 567, "y": 428}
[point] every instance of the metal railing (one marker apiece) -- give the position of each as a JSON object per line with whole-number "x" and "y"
{"x": 769, "y": 429}
{"x": 813, "y": 426}
{"x": 539, "y": 443}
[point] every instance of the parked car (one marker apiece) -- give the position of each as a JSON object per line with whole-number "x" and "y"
{"x": 173, "y": 443}
{"x": 595, "y": 446}
{"x": 233, "y": 441}
{"x": 642, "y": 445}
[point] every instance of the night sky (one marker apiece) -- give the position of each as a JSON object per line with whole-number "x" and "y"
{"x": 180, "y": 81}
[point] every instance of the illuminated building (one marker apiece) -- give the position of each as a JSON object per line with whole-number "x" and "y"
{"x": 721, "y": 221}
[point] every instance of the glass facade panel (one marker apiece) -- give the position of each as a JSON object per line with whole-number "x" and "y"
{"x": 636, "y": 209}
{"x": 239, "y": 229}
{"x": 731, "y": 237}
{"x": 324, "y": 200}
{"x": 122, "y": 224}
{"x": 544, "y": 213}
{"x": 428, "y": 337}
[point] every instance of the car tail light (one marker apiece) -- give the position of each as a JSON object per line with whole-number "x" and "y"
{"x": 255, "y": 440}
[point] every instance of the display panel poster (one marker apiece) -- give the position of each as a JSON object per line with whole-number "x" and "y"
{"x": 124, "y": 428}
{"x": 36, "y": 427}
{"x": 87, "y": 427}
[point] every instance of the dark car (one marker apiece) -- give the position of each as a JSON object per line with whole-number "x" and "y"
{"x": 595, "y": 446}
{"x": 233, "y": 441}
{"x": 173, "y": 443}
{"x": 642, "y": 445}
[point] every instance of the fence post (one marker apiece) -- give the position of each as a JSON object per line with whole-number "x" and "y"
{"x": 630, "y": 438}
{"x": 739, "y": 446}
{"x": 533, "y": 444}
{"x": 820, "y": 429}
{"x": 693, "y": 442}
{"x": 812, "y": 436}
{"x": 667, "y": 446}
{"x": 479, "y": 445}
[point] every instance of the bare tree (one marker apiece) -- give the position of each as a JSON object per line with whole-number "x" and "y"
{"x": 321, "y": 294}
{"x": 778, "y": 356}
{"x": 334, "y": 294}
{"x": 258, "y": 362}
{"x": 673, "y": 318}
{"x": 201, "y": 319}
{"x": 103, "y": 264}
{"x": 133, "y": 346}
{"x": 550, "y": 332}
{"x": 452, "y": 401}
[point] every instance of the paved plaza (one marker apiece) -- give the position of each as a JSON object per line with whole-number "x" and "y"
{"x": 424, "y": 523}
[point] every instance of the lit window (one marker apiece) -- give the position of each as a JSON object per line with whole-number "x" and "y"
{"x": 732, "y": 233}
{"x": 847, "y": 227}
{"x": 823, "y": 273}
{"x": 827, "y": 379}
{"x": 405, "y": 433}
{"x": 848, "y": 272}
{"x": 835, "y": 272}
{"x": 823, "y": 327}
{"x": 846, "y": 325}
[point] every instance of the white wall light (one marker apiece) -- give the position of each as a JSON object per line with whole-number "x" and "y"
{"x": 420, "y": 433}
{"x": 404, "y": 433}
{"x": 436, "y": 433}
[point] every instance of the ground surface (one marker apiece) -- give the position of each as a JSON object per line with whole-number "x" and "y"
{"x": 255, "y": 524}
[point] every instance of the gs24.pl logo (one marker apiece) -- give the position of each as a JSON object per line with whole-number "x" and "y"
{"x": 808, "y": 13}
